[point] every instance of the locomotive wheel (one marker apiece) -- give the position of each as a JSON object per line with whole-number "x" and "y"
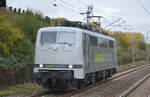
{"x": 68, "y": 86}
{"x": 71, "y": 85}
{"x": 108, "y": 74}
{"x": 81, "y": 84}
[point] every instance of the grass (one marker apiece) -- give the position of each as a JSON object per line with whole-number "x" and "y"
{"x": 20, "y": 89}
{"x": 130, "y": 65}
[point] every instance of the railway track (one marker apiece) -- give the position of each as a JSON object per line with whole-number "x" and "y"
{"x": 118, "y": 75}
{"x": 129, "y": 91}
{"x": 40, "y": 93}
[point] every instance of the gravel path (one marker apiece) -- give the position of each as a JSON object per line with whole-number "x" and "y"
{"x": 142, "y": 91}
{"x": 117, "y": 86}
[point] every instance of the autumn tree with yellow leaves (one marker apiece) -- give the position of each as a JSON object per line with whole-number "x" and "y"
{"x": 129, "y": 43}
{"x": 8, "y": 36}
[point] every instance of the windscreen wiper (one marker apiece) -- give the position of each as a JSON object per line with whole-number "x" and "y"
{"x": 65, "y": 43}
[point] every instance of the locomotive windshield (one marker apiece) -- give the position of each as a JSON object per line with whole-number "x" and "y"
{"x": 48, "y": 38}
{"x": 64, "y": 38}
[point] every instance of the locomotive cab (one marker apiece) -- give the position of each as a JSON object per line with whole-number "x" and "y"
{"x": 58, "y": 56}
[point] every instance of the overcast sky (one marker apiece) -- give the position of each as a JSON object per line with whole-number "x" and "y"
{"x": 128, "y": 10}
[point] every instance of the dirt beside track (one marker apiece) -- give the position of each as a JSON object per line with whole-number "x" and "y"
{"x": 142, "y": 91}
{"x": 117, "y": 86}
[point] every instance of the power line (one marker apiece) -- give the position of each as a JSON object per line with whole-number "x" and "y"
{"x": 53, "y": 4}
{"x": 72, "y": 10}
{"x": 60, "y": 3}
{"x": 143, "y": 7}
{"x": 113, "y": 23}
{"x": 67, "y": 3}
{"x": 47, "y": 2}
{"x": 67, "y": 6}
{"x": 70, "y": 4}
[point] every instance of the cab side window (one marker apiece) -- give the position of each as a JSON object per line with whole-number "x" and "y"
{"x": 111, "y": 44}
{"x": 93, "y": 41}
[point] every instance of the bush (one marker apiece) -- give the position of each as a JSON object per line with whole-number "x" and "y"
{"x": 124, "y": 57}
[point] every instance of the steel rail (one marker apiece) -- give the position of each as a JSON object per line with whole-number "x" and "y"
{"x": 129, "y": 91}
{"x": 40, "y": 93}
{"x": 121, "y": 74}
{"x": 118, "y": 75}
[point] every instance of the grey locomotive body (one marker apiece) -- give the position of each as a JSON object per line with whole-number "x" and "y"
{"x": 69, "y": 57}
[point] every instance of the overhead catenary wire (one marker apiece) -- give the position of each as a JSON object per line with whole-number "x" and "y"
{"x": 147, "y": 12}
{"x": 67, "y": 6}
{"x": 70, "y": 5}
{"x": 144, "y": 7}
{"x": 67, "y": 3}
{"x": 61, "y": 4}
{"x": 57, "y": 3}
{"x": 108, "y": 24}
{"x": 47, "y": 2}
{"x": 113, "y": 23}
{"x": 72, "y": 10}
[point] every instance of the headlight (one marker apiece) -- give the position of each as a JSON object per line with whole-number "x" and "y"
{"x": 41, "y": 65}
{"x": 70, "y": 66}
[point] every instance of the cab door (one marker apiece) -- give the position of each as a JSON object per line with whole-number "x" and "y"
{"x": 86, "y": 50}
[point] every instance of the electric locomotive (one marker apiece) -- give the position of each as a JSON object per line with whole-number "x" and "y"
{"x": 72, "y": 57}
